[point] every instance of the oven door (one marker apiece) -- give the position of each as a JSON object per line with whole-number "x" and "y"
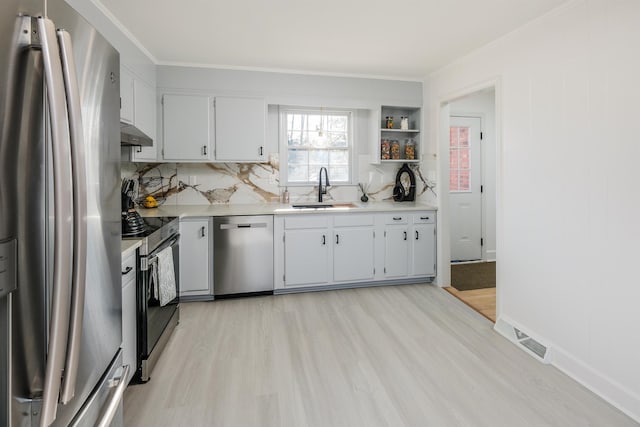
{"x": 154, "y": 318}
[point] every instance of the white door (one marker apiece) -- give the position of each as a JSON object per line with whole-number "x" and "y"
{"x": 240, "y": 129}
{"x": 465, "y": 193}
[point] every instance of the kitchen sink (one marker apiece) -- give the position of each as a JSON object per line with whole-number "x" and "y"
{"x": 324, "y": 206}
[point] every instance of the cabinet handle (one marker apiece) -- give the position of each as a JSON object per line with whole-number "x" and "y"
{"x": 324, "y": 239}
{"x": 405, "y": 235}
{"x": 337, "y": 239}
{"x": 397, "y": 218}
{"x": 139, "y": 149}
{"x": 204, "y": 150}
{"x": 127, "y": 270}
{"x": 261, "y": 151}
{"x": 424, "y": 218}
{"x": 202, "y": 231}
{"x": 417, "y": 235}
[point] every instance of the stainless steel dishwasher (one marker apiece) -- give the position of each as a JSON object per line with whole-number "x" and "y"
{"x": 243, "y": 255}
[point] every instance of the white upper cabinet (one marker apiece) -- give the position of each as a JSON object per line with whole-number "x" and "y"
{"x": 240, "y": 129}
{"x": 187, "y": 127}
{"x": 126, "y": 95}
{"x": 138, "y": 107}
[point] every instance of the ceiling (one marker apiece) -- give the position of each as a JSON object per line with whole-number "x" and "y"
{"x": 404, "y": 39}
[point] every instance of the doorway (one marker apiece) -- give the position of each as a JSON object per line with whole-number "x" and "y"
{"x": 472, "y": 203}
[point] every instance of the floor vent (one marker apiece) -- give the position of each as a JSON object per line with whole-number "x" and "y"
{"x": 534, "y": 346}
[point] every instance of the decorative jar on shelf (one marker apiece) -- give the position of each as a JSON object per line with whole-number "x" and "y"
{"x": 410, "y": 149}
{"x": 385, "y": 149}
{"x": 395, "y": 150}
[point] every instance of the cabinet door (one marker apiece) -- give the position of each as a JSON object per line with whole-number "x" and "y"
{"x": 306, "y": 257}
{"x": 424, "y": 250}
{"x": 353, "y": 254}
{"x": 195, "y": 259}
{"x": 186, "y": 127}
{"x": 144, "y": 98}
{"x": 240, "y": 129}
{"x": 129, "y": 325}
{"x": 396, "y": 252}
{"x": 145, "y": 154}
{"x": 126, "y": 96}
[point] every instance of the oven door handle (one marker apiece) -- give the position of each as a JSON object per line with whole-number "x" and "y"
{"x": 165, "y": 245}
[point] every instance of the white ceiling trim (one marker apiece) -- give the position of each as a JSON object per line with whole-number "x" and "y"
{"x": 120, "y": 26}
{"x": 290, "y": 71}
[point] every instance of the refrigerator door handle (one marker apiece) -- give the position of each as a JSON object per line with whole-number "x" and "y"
{"x": 119, "y": 381}
{"x": 79, "y": 177}
{"x": 63, "y": 209}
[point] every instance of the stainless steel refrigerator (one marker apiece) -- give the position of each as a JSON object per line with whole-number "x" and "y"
{"x": 60, "y": 292}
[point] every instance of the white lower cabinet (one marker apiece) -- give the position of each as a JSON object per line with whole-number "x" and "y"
{"x": 196, "y": 258}
{"x": 410, "y": 245}
{"x": 129, "y": 272}
{"x": 314, "y": 250}
{"x": 423, "y": 259}
{"x": 353, "y": 248}
{"x": 306, "y": 255}
{"x": 396, "y": 250}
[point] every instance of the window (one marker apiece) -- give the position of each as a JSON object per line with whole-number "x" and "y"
{"x": 459, "y": 159}
{"x": 314, "y": 139}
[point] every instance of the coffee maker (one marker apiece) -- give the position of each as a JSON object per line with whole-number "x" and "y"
{"x": 132, "y": 223}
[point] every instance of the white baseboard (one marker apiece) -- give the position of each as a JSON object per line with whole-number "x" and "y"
{"x": 614, "y": 393}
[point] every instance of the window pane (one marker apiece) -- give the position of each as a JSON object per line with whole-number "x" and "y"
{"x": 465, "y": 161}
{"x": 319, "y": 157}
{"x": 463, "y": 137}
{"x": 337, "y": 139}
{"x": 338, "y": 157}
{"x": 297, "y": 173}
{"x": 298, "y": 157}
{"x": 464, "y": 180}
{"x": 453, "y": 159}
{"x": 453, "y": 137}
{"x": 338, "y": 173}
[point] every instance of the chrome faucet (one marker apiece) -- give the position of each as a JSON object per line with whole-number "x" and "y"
{"x": 321, "y": 190}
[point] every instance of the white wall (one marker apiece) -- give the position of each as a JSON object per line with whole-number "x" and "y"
{"x": 482, "y": 104}
{"x": 568, "y": 200}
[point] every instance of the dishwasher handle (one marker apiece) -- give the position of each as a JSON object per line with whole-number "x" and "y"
{"x": 243, "y": 225}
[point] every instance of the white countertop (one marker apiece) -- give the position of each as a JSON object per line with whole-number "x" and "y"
{"x": 278, "y": 209}
{"x": 130, "y": 245}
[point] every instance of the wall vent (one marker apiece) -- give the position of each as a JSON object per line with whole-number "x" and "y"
{"x": 534, "y": 346}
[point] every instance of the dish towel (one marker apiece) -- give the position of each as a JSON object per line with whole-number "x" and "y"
{"x": 166, "y": 283}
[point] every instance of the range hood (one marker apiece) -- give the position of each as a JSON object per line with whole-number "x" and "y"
{"x": 131, "y": 135}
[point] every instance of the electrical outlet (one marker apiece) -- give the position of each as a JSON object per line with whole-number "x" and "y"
{"x": 193, "y": 180}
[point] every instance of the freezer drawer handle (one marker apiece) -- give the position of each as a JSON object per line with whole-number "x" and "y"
{"x": 119, "y": 381}
{"x": 127, "y": 271}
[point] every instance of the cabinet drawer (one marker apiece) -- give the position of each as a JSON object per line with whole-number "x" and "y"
{"x": 351, "y": 220}
{"x": 306, "y": 221}
{"x": 398, "y": 218}
{"x": 129, "y": 268}
{"x": 424, "y": 218}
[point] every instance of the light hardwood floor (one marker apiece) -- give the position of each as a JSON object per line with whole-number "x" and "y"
{"x": 387, "y": 356}
{"x": 481, "y": 300}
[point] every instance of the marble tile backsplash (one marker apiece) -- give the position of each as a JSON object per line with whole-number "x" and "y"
{"x": 224, "y": 183}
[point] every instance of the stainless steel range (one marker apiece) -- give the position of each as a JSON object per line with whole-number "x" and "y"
{"x": 155, "y": 323}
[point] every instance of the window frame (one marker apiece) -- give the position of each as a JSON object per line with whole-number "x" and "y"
{"x": 284, "y": 147}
